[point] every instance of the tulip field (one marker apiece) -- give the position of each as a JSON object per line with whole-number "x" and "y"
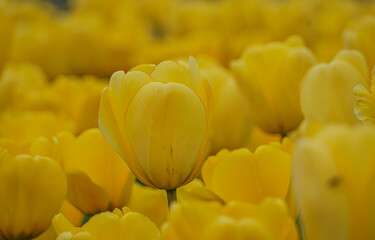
{"x": 187, "y": 119}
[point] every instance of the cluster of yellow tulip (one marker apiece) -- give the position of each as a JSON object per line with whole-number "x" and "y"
{"x": 267, "y": 133}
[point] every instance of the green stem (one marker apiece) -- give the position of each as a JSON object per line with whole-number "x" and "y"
{"x": 172, "y": 197}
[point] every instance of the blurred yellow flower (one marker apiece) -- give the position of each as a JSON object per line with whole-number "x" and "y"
{"x": 200, "y": 220}
{"x": 32, "y": 190}
{"x": 158, "y": 118}
{"x": 241, "y": 175}
{"x": 333, "y": 181}
{"x": 116, "y": 225}
{"x": 25, "y": 126}
{"x": 229, "y": 108}
{"x": 19, "y": 83}
{"x": 98, "y": 179}
{"x": 79, "y": 98}
{"x": 270, "y": 77}
{"x": 327, "y": 90}
{"x": 360, "y": 36}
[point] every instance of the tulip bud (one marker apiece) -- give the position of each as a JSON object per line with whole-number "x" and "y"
{"x": 32, "y": 190}
{"x": 270, "y": 77}
{"x": 327, "y": 90}
{"x": 158, "y": 118}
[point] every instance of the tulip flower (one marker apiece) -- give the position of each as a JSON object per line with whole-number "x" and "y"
{"x": 32, "y": 190}
{"x": 98, "y": 179}
{"x": 229, "y": 108}
{"x": 360, "y": 35}
{"x": 333, "y": 181}
{"x": 241, "y": 175}
{"x": 201, "y": 220}
{"x": 270, "y": 78}
{"x": 327, "y": 90}
{"x": 158, "y": 118}
{"x": 116, "y": 225}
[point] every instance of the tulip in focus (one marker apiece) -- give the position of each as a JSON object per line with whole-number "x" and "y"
{"x": 270, "y": 78}
{"x": 32, "y": 190}
{"x": 158, "y": 118}
{"x": 98, "y": 179}
{"x": 116, "y": 225}
{"x": 333, "y": 180}
{"x": 201, "y": 220}
{"x": 327, "y": 90}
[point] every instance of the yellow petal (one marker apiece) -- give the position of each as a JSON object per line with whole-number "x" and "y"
{"x": 236, "y": 178}
{"x": 138, "y": 227}
{"x": 170, "y": 71}
{"x": 162, "y": 122}
{"x": 226, "y": 228}
{"x": 146, "y": 68}
{"x": 150, "y": 202}
{"x": 273, "y": 162}
{"x": 105, "y": 225}
{"x": 61, "y": 224}
{"x": 87, "y": 196}
{"x": 91, "y": 154}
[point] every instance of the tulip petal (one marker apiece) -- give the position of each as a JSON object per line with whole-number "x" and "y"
{"x": 84, "y": 194}
{"x": 170, "y": 71}
{"x": 163, "y": 120}
{"x": 273, "y": 162}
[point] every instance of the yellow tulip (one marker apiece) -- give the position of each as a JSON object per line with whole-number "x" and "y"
{"x": 360, "y": 36}
{"x": 270, "y": 77}
{"x": 364, "y": 106}
{"x": 158, "y": 118}
{"x": 98, "y": 179}
{"x": 201, "y": 220}
{"x": 229, "y": 108}
{"x": 116, "y": 225}
{"x": 241, "y": 175}
{"x": 32, "y": 190}
{"x": 333, "y": 179}
{"x": 327, "y": 90}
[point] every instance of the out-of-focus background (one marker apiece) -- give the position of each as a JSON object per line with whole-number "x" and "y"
{"x": 102, "y": 36}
